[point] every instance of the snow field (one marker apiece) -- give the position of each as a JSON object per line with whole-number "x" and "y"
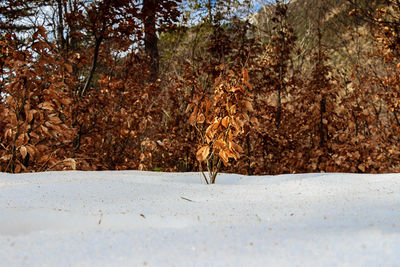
{"x": 134, "y": 218}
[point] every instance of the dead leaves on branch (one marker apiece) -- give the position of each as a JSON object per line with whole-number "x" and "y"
{"x": 227, "y": 116}
{"x": 35, "y": 113}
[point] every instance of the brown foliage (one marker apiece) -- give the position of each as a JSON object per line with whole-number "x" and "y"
{"x": 91, "y": 99}
{"x": 35, "y": 111}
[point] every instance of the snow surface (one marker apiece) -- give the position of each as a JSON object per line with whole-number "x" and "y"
{"x": 133, "y": 218}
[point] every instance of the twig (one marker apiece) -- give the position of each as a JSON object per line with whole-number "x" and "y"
{"x": 205, "y": 178}
{"x": 201, "y": 169}
{"x": 187, "y": 199}
{"x": 101, "y": 217}
{"x": 48, "y": 159}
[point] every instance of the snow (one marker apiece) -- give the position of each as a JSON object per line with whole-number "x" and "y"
{"x": 133, "y": 218}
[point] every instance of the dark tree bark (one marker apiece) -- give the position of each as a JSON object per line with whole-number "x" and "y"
{"x": 94, "y": 64}
{"x": 150, "y": 39}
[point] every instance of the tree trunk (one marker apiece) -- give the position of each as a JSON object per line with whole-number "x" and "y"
{"x": 60, "y": 26}
{"x": 94, "y": 64}
{"x": 150, "y": 36}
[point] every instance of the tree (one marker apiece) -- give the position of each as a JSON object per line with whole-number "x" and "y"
{"x": 152, "y": 11}
{"x": 281, "y": 47}
{"x": 151, "y": 39}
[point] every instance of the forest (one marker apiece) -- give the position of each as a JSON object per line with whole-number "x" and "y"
{"x": 235, "y": 86}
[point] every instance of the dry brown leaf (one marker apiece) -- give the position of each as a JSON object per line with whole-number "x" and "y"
{"x": 55, "y": 119}
{"x": 6, "y": 157}
{"x": 210, "y": 133}
{"x": 71, "y": 163}
{"x": 235, "y": 147}
{"x": 17, "y": 168}
{"x": 216, "y": 124}
{"x": 46, "y": 105}
{"x": 254, "y": 121}
{"x": 23, "y": 151}
{"x": 361, "y": 167}
{"x": 65, "y": 101}
{"x": 34, "y": 135}
{"x": 68, "y": 67}
{"x": 223, "y": 155}
{"x": 31, "y": 150}
{"x": 202, "y": 153}
{"x": 219, "y": 144}
{"x": 193, "y": 116}
{"x": 225, "y": 122}
{"x": 248, "y": 106}
{"x": 8, "y": 133}
{"x": 141, "y": 167}
{"x": 232, "y": 109}
{"x": 42, "y": 31}
{"x": 44, "y": 129}
{"x": 29, "y": 116}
